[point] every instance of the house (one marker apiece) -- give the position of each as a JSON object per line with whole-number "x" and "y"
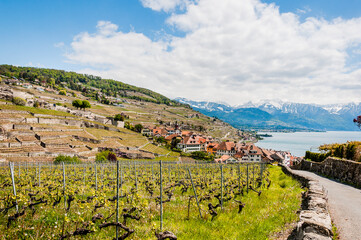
{"x": 226, "y": 159}
{"x": 159, "y": 132}
{"x": 170, "y": 138}
{"x": 212, "y": 148}
{"x": 226, "y": 148}
{"x": 191, "y": 144}
{"x": 241, "y": 156}
{"x": 266, "y": 155}
{"x": 147, "y": 131}
{"x": 254, "y": 154}
{"x": 170, "y": 131}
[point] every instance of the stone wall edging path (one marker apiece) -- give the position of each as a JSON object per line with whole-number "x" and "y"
{"x": 339, "y": 169}
{"x": 315, "y": 221}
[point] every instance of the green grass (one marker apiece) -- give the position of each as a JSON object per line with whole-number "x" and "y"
{"x": 36, "y": 110}
{"x": 261, "y": 217}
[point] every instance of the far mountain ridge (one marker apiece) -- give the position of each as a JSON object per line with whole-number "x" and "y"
{"x": 276, "y": 114}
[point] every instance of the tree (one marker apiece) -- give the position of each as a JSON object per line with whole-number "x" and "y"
{"x": 51, "y": 81}
{"x": 18, "y": 101}
{"x": 62, "y": 92}
{"x": 138, "y": 127}
{"x": 85, "y": 104}
{"x": 105, "y": 156}
{"x": 77, "y": 103}
{"x": 66, "y": 159}
{"x": 175, "y": 142}
{"x": 119, "y": 117}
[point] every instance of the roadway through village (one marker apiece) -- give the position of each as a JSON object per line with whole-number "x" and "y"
{"x": 344, "y": 205}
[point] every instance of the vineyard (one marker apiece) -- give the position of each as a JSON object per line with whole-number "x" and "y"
{"x": 145, "y": 200}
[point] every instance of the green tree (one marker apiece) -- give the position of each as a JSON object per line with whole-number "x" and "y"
{"x": 77, "y": 103}
{"x": 119, "y": 117}
{"x": 175, "y": 142}
{"x": 138, "y": 127}
{"x": 51, "y": 81}
{"x": 85, "y": 104}
{"x": 105, "y": 156}
{"x": 66, "y": 159}
{"x": 62, "y": 92}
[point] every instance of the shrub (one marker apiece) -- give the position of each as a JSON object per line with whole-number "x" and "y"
{"x": 129, "y": 126}
{"x": 138, "y": 127}
{"x": 58, "y": 104}
{"x": 105, "y": 156}
{"x": 119, "y": 117}
{"x": 19, "y": 101}
{"x": 199, "y": 155}
{"x": 66, "y": 159}
{"x": 62, "y": 92}
{"x": 85, "y": 104}
{"x": 36, "y": 104}
{"x": 317, "y": 157}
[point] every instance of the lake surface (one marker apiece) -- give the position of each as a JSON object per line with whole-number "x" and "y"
{"x": 300, "y": 142}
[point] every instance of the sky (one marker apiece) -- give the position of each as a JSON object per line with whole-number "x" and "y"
{"x": 232, "y": 51}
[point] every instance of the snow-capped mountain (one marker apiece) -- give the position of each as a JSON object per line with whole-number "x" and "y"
{"x": 209, "y": 106}
{"x": 277, "y": 114}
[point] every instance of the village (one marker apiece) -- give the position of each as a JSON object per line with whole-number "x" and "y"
{"x": 29, "y": 136}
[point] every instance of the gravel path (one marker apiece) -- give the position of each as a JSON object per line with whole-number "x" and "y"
{"x": 344, "y": 205}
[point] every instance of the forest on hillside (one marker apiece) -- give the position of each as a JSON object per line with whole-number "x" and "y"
{"x": 84, "y": 83}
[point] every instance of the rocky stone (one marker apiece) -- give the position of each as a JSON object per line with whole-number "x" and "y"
{"x": 315, "y": 221}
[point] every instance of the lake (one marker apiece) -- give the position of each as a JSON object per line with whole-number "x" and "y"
{"x": 300, "y": 142}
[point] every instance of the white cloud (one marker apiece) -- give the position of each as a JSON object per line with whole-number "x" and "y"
{"x": 165, "y": 5}
{"x": 233, "y": 51}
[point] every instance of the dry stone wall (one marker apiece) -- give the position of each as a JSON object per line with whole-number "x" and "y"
{"x": 339, "y": 169}
{"x": 315, "y": 221}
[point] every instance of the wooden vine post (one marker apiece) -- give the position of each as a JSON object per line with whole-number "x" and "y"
{"x": 247, "y": 178}
{"x": 161, "y": 198}
{"x": 195, "y": 192}
{"x": 64, "y": 185}
{"x": 117, "y": 210}
{"x": 222, "y": 187}
{"x": 11, "y": 165}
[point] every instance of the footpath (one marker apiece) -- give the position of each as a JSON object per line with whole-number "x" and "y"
{"x": 344, "y": 203}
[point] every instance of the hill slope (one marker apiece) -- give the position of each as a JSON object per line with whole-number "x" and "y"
{"x": 88, "y": 84}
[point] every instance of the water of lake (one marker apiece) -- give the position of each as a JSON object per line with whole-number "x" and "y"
{"x": 300, "y": 142}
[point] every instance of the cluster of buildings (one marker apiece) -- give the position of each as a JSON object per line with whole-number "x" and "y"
{"x": 225, "y": 151}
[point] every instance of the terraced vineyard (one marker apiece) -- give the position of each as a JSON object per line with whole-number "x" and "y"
{"x": 145, "y": 200}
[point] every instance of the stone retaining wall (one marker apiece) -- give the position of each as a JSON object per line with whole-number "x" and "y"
{"x": 338, "y": 169}
{"x": 315, "y": 220}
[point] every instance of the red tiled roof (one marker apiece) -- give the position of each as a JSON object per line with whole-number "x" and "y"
{"x": 227, "y": 146}
{"x": 170, "y": 137}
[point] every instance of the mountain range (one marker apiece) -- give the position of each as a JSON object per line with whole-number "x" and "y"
{"x": 279, "y": 115}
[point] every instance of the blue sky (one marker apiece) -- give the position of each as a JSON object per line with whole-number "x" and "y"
{"x": 170, "y": 46}
{"x": 31, "y": 29}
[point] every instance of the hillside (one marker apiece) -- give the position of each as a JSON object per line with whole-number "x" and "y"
{"x": 278, "y": 115}
{"x": 91, "y": 86}
{"x": 54, "y": 127}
